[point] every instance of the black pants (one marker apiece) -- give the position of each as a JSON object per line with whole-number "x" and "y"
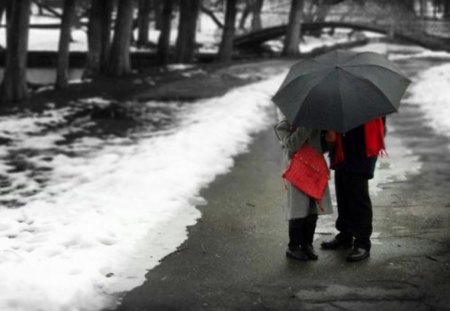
{"x": 354, "y": 208}
{"x": 301, "y": 230}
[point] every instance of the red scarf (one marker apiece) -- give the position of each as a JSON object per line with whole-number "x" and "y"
{"x": 374, "y": 138}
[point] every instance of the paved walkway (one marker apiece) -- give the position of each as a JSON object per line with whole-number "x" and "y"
{"x": 234, "y": 257}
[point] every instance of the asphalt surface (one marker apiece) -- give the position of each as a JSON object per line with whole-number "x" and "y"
{"x": 234, "y": 258}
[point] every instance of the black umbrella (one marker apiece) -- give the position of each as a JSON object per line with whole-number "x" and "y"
{"x": 340, "y": 90}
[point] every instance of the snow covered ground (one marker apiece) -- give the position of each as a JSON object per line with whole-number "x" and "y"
{"x": 104, "y": 218}
{"x": 432, "y": 88}
{"x": 101, "y": 212}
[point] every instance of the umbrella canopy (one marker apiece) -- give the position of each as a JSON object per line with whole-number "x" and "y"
{"x": 340, "y": 90}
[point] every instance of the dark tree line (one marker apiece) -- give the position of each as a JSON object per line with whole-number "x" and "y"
{"x": 109, "y": 52}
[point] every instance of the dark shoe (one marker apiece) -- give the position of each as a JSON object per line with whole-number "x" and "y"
{"x": 309, "y": 229}
{"x": 358, "y": 254}
{"x": 296, "y": 253}
{"x": 336, "y": 244}
{"x": 309, "y": 251}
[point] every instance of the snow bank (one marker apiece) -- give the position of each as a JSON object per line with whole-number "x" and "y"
{"x": 430, "y": 92}
{"x": 105, "y": 219}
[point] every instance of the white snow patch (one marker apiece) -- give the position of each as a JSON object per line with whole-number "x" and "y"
{"x": 430, "y": 93}
{"x": 179, "y": 66}
{"x": 104, "y": 219}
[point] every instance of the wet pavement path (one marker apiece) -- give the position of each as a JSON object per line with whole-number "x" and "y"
{"x": 234, "y": 257}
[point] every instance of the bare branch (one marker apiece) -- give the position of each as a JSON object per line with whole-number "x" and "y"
{"x": 211, "y": 14}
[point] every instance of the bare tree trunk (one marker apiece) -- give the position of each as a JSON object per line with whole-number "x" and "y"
{"x": 226, "y": 45}
{"x": 40, "y": 9}
{"x": 62, "y": 72}
{"x": 422, "y": 8}
{"x": 435, "y": 9}
{"x": 105, "y": 33}
{"x": 145, "y": 8}
{"x": 321, "y": 12}
{"x": 446, "y": 9}
{"x": 164, "y": 36}
{"x": 119, "y": 61}
{"x": 256, "y": 11}
{"x": 293, "y": 31}
{"x": 247, "y": 10}
{"x": 14, "y": 85}
{"x": 94, "y": 39}
{"x": 158, "y": 7}
{"x": 185, "y": 46}
{"x": 99, "y": 37}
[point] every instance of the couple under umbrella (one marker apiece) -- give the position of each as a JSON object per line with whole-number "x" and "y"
{"x": 336, "y": 102}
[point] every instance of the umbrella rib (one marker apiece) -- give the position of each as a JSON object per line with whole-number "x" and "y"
{"x": 370, "y": 82}
{"x": 353, "y": 56}
{"x": 284, "y": 84}
{"x": 314, "y": 60}
{"x": 374, "y": 65}
{"x": 377, "y": 89}
{"x": 302, "y": 76}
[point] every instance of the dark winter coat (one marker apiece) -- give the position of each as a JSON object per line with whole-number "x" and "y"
{"x": 355, "y": 159}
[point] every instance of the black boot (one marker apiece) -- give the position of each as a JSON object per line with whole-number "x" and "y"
{"x": 361, "y": 249}
{"x": 296, "y": 228}
{"x": 341, "y": 240}
{"x": 297, "y": 253}
{"x": 308, "y": 236}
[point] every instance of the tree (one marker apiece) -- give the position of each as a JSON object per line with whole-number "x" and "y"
{"x": 157, "y": 8}
{"x": 40, "y": 8}
{"x": 145, "y": 7}
{"x": 185, "y": 45}
{"x": 119, "y": 59}
{"x": 446, "y": 9}
{"x": 254, "y": 8}
{"x": 422, "y": 6}
{"x": 43, "y": 5}
{"x": 62, "y": 72}
{"x": 256, "y": 14}
{"x": 317, "y": 12}
{"x": 293, "y": 31}
{"x": 164, "y": 36}
{"x": 245, "y": 13}
{"x": 226, "y": 45}
{"x": 105, "y": 33}
{"x": 211, "y": 14}
{"x": 14, "y": 85}
{"x": 99, "y": 37}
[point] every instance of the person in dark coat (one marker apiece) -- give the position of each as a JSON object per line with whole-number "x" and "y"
{"x": 353, "y": 171}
